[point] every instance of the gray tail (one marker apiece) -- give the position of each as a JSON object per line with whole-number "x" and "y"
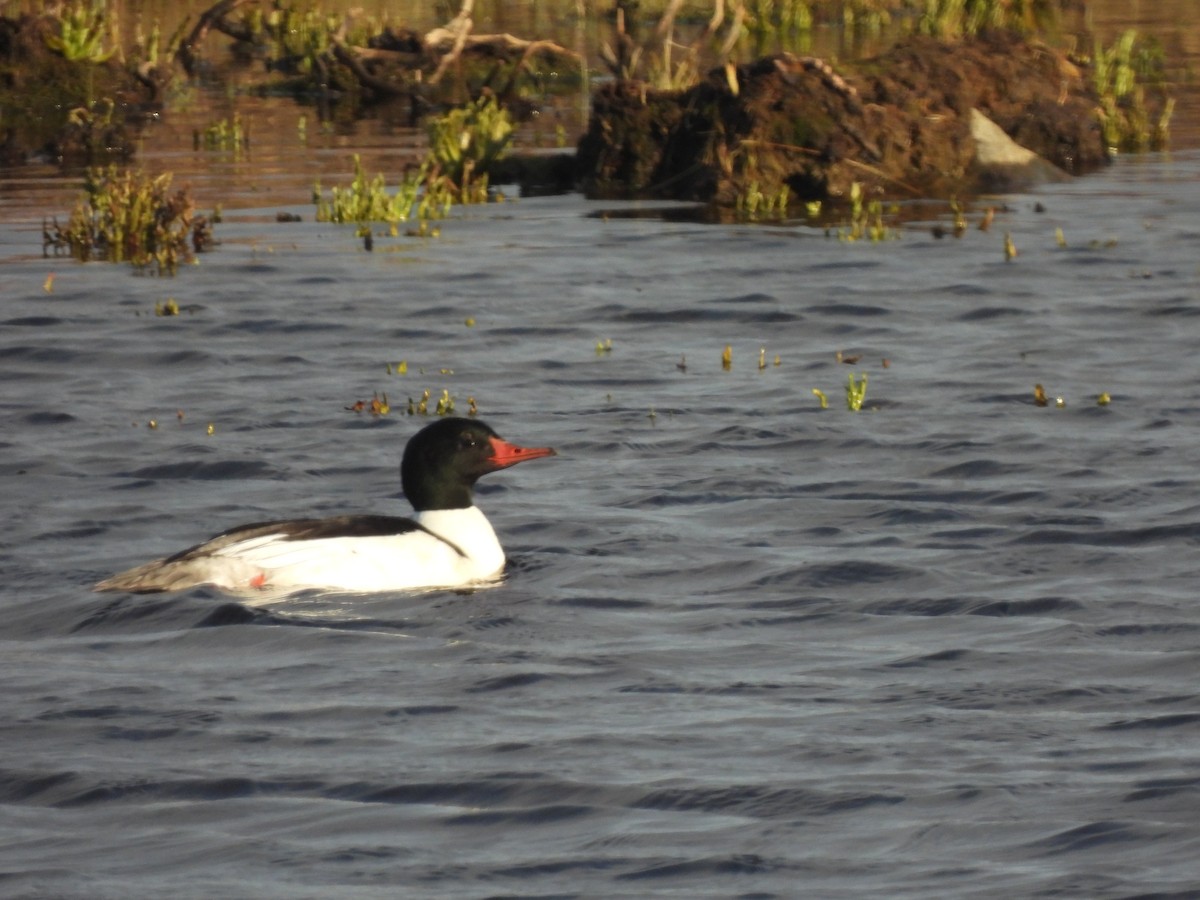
{"x": 151, "y": 578}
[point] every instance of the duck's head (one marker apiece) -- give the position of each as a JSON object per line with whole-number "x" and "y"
{"x": 444, "y": 459}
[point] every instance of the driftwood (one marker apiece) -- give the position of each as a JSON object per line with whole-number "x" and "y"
{"x": 213, "y": 17}
{"x": 389, "y": 72}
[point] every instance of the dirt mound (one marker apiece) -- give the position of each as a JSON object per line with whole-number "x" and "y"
{"x": 899, "y": 124}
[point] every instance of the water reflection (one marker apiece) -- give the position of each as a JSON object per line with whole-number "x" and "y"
{"x": 293, "y": 145}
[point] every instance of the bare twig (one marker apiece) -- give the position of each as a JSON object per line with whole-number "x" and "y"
{"x": 735, "y": 29}
{"x": 456, "y": 34}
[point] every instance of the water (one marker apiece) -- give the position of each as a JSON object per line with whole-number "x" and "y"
{"x": 945, "y": 646}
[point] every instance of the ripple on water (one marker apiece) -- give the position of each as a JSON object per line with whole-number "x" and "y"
{"x": 199, "y": 470}
{"x": 848, "y": 310}
{"x": 758, "y": 801}
{"x": 701, "y": 315}
{"x": 34, "y": 322}
{"x": 974, "y": 606}
{"x": 743, "y": 645}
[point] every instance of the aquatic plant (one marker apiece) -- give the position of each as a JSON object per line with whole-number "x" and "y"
{"x": 295, "y": 38}
{"x": 960, "y": 217}
{"x": 768, "y": 18}
{"x": 952, "y": 18}
{"x": 151, "y": 49}
{"x": 866, "y": 219}
{"x": 762, "y": 359}
{"x": 773, "y": 19}
{"x": 465, "y": 143}
{"x": 368, "y": 199}
{"x": 424, "y": 229}
{"x": 82, "y": 32}
{"x": 754, "y": 205}
{"x": 225, "y": 134}
{"x": 444, "y": 405}
{"x": 123, "y": 217}
{"x": 856, "y": 392}
{"x": 1120, "y": 74}
{"x": 377, "y": 406}
{"x": 299, "y": 38}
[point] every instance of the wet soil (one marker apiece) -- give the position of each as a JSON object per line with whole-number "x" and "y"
{"x": 898, "y": 124}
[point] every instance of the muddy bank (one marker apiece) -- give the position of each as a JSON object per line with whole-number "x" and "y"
{"x": 899, "y": 124}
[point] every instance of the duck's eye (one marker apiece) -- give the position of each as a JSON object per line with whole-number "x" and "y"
{"x": 469, "y": 440}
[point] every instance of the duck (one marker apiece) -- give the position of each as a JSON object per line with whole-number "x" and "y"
{"x": 447, "y": 543}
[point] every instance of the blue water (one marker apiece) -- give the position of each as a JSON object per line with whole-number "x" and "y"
{"x": 945, "y": 646}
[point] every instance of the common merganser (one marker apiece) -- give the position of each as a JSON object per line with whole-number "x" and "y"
{"x": 447, "y": 543}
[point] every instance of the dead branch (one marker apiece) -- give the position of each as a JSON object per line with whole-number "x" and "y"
{"x": 213, "y": 17}
{"x": 510, "y": 44}
{"x": 459, "y": 29}
{"x": 351, "y": 58}
{"x": 441, "y": 48}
